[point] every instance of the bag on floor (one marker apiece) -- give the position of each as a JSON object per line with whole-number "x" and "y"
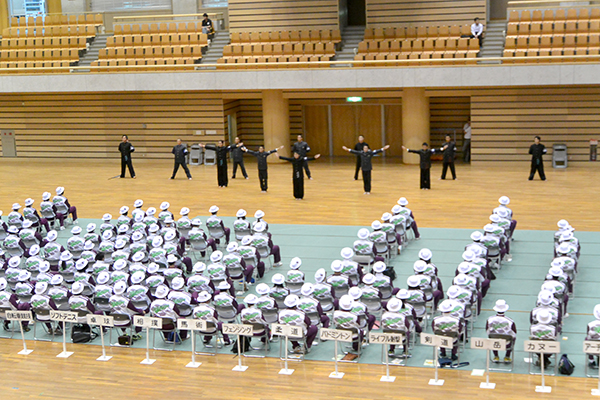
{"x": 390, "y": 272}
{"x": 124, "y": 340}
{"x": 565, "y": 366}
{"x": 82, "y": 333}
{"x": 244, "y": 345}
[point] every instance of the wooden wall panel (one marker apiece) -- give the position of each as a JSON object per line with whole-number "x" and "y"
{"x": 90, "y": 125}
{"x": 393, "y": 129}
{"x": 250, "y": 122}
{"x": 506, "y": 120}
{"x": 316, "y": 128}
{"x": 266, "y": 15}
{"x": 448, "y": 115}
{"x": 369, "y": 125}
{"x": 344, "y": 128}
{"x": 382, "y": 13}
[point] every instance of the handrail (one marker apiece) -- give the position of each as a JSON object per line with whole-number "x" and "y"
{"x": 559, "y": 4}
{"x": 152, "y": 16}
{"x": 322, "y": 64}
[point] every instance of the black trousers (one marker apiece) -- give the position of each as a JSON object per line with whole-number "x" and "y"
{"x": 222, "y": 175}
{"x": 262, "y": 178}
{"x": 306, "y": 169}
{"x": 184, "y": 166}
{"x": 126, "y": 161}
{"x": 537, "y": 165}
{"x": 241, "y": 164}
{"x": 299, "y": 187}
{"x": 358, "y": 165}
{"x": 425, "y": 181}
{"x": 445, "y": 169}
{"x": 367, "y": 181}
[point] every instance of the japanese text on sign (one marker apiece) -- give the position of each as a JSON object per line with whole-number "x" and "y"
{"x": 336, "y": 334}
{"x": 238, "y": 329}
{"x": 589, "y": 347}
{"x": 488, "y": 344}
{"x": 63, "y": 316}
{"x": 542, "y": 346}
{"x": 287, "y": 330}
{"x": 19, "y": 316}
{"x": 428, "y": 339}
{"x": 192, "y": 324}
{"x": 386, "y": 338}
{"x": 101, "y": 320}
{"x": 147, "y": 322}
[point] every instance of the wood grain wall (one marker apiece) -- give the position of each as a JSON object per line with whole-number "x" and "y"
{"x": 448, "y": 115}
{"x": 382, "y": 13}
{"x": 267, "y": 15}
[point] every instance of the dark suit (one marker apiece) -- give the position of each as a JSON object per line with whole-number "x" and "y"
{"x": 358, "y": 147}
{"x": 302, "y": 148}
{"x": 449, "y": 149}
{"x": 366, "y": 165}
{"x": 425, "y": 164}
{"x": 180, "y": 151}
{"x": 126, "y": 149}
{"x": 537, "y": 162}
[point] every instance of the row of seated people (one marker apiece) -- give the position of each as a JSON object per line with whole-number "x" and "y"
{"x": 155, "y": 64}
{"x": 51, "y": 31}
{"x": 166, "y": 39}
{"x": 284, "y": 37}
{"x": 551, "y": 29}
{"x": 162, "y": 28}
{"x": 49, "y": 20}
{"x": 420, "y": 32}
{"x": 551, "y": 306}
{"x": 579, "y": 15}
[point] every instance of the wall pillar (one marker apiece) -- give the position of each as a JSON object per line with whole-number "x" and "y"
{"x": 276, "y": 122}
{"x": 415, "y": 122}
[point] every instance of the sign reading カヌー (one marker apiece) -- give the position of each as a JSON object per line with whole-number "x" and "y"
{"x": 542, "y": 346}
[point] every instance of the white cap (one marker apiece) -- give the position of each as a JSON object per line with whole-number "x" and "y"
{"x": 278, "y": 279}
{"x": 138, "y": 203}
{"x": 563, "y": 224}
{"x": 216, "y": 256}
{"x": 445, "y": 306}
{"x": 368, "y": 279}
{"x": 56, "y": 280}
{"x": 461, "y": 279}
{"x": 161, "y": 292}
{"x": 501, "y": 306}
{"x": 157, "y": 241}
{"x": 223, "y": 285}
{"x": 597, "y": 311}
{"x": 107, "y": 234}
{"x": 153, "y": 228}
{"x": 320, "y": 275}
{"x": 46, "y": 196}
{"x": 213, "y": 209}
{"x": 355, "y": 292}
{"x": 336, "y": 266}
{"x": 120, "y": 264}
{"x": 489, "y": 228}
{"x": 91, "y": 227}
{"x": 151, "y": 211}
{"x": 14, "y": 261}
{"x": 60, "y": 190}
{"x": 137, "y": 236}
{"x": 259, "y": 214}
{"x": 379, "y": 267}
{"x": 120, "y": 287}
{"x": 246, "y": 240}
{"x": 77, "y": 288}
{"x": 260, "y": 226}
{"x": 419, "y": 266}
{"x": 240, "y": 213}
{"x": 103, "y": 277}
{"x": 123, "y": 210}
{"x": 170, "y": 235}
{"x": 385, "y": 217}
{"x": 464, "y": 267}
{"x": 168, "y": 220}
{"x": 295, "y": 263}
{"x": 402, "y": 201}
{"x": 171, "y": 258}
{"x": 184, "y": 211}
{"x": 12, "y": 229}
{"x": 291, "y": 300}
{"x": 81, "y": 264}
{"x": 196, "y": 222}
{"x": 502, "y": 212}
{"x": 544, "y": 316}
{"x": 495, "y": 218}
{"x": 232, "y": 247}
{"x": 34, "y": 250}
{"x": 44, "y": 266}
{"x": 468, "y": 255}
{"x": 555, "y": 271}
{"x": 425, "y": 254}
{"x": 363, "y": 233}
{"x": 177, "y": 283}
{"x": 66, "y": 256}
{"x": 28, "y": 201}
{"x": 403, "y": 294}
{"x": 307, "y": 289}
{"x": 563, "y": 248}
{"x": 199, "y": 267}
{"x": 120, "y": 243}
{"x": 203, "y": 296}
{"x": 106, "y": 217}
{"x": 27, "y": 224}
{"x": 152, "y": 268}
{"x": 557, "y": 263}
{"x": 413, "y": 281}
{"x": 347, "y": 253}
{"x": 376, "y": 225}
{"x": 137, "y": 277}
{"x": 476, "y": 236}
{"x": 164, "y": 205}
{"x": 16, "y": 206}
{"x": 346, "y": 302}
{"x": 567, "y": 235}
{"x": 251, "y": 299}
{"x": 394, "y": 304}
{"x": 262, "y": 289}
{"x": 504, "y": 200}
{"x": 453, "y": 291}
{"x": 24, "y": 275}
{"x": 138, "y": 216}
{"x": 123, "y": 228}
{"x": 40, "y": 287}
{"x": 396, "y": 209}
{"x": 545, "y": 297}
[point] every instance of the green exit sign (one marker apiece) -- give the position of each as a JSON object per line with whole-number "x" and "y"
{"x": 354, "y": 99}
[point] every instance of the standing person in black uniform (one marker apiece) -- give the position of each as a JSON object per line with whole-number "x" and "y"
{"x": 221, "y": 151}
{"x": 448, "y": 149}
{"x": 359, "y": 147}
{"x": 261, "y": 156}
{"x": 126, "y": 149}
{"x": 365, "y": 162}
{"x": 298, "y": 163}
{"x": 237, "y": 155}
{"x": 302, "y": 148}
{"x": 537, "y": 150}
{"x": 180, "y": 151}
{"x": 425, "y": 164}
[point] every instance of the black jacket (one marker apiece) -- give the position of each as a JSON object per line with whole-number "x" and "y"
{"x": 261, "y": 158}
{"x": 537, "y": 151}
{"x": 425, "y": 157}
{"x": 448, "y": 151}
{"x": 237, "y": 154}
{"x": 126, "y": 149}
{"x": 221, "y": 153}
{"x": 365, "y": 158}
{"x": 180, "y": 151}
{"x": 301, "y": 148}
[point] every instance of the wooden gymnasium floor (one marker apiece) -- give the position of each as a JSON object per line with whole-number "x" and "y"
{"x": 331, "y": 198}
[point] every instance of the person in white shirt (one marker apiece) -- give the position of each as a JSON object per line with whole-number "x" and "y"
{"x": 477, "y": 31}
{"x": 466, "y": 149}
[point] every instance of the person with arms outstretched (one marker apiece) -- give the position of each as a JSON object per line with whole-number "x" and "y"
{"x": 126, "y": 148}
{"x": 537, "y": 150}
{"x": 221, "y": 150}
{"x": 359, "y": 147}
{"x": 425, "y": 164}
{"x": 365, "y": 159}
{"x": 261, "y": 156}
{"x": 237, "y": 154}
{"x": 302, "y": 148}
{"x": 298, "y": 163}
{"x": 448, "y": 150}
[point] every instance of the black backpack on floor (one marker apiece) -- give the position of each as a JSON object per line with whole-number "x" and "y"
{"x": 82, "y": 333}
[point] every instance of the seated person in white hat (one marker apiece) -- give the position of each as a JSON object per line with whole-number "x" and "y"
{"x": 253, "y": 316}
{"x": 447, "y": 325}
{"x": 543, "y": 331}
{"x": 107, "y": 245}
{"x": 370, "y": 293}
{"x": 138, "y": 224}
{"x": 265, "y": 301}
{"x": 554, "y": 283}
{"x": 14, "y": 218}
{"x": 474, "y": 271}
{"x": 250, "y": 255}
{"x": 294, "y": 275}
{"x": 383, "y": 282}
{"x": 197, "y": 235}
{"x": 416, "y": 297}
{"x": 197, "y": 282}
{"x": 82, "y": 276}
{"x": 365, "y": 319}
{"x": 310, "y": 305}
{"x": 217, "y": 271}
{"x": 41, "y": 300}
{"x": 164, "y": 211}
{"x": 67, "y": 266}
{"x": 260, "y": 238}
{"x": 570, "y": 240}
{"x": 121, "y": 303}
{"x": 492, "y": 238}
{"x": 137, "y": 292}
{"x": 406, "y": 212}
{"x": 80, "y": 302}
{"x": 351, "y": 269}
{"x": 428, "y": 284}
{"x": 390, "y": 230}
{"x": 393, "y": 321}
{"x": 463, "y": 296}
{"x": 223, "y": 297}
{"x": 13, "y": 269}
{"x": 258, "y": 217}
{"x": 103, "y": 290}
{"x": 364, "y": 247}
{"x": 91, "y": 235}
{"x": 33, "y": 262}
{"x": 505, "y": 222}
{"x": 30, "y": 213}
{"x": 48, "y": 210}
{"x": 500, "y": 230}
{"x": 241, "y": 226}
{"x": 124, "y": 218}
{"x": 504, "y": 202}
{"x": 471, "y": 284}
{"x": 477, "y": 237}
{"x": 58, "y": 289}
{"x": 62, "y": 204}
{"x": 278, "y": 291}
{"x": 184, "y": 225}
{"x": 426, "y": 256}
{"x": 106, "y": 225}
{"x": 500, "y": 324}
{"x": 344, "y": 318}
{"x": 180, "y": 296}
{"x": 291, "y": 315}
{"x": 162, "y": 307}
{"x": 76, "y": 242}
{"x": 563, "y": 226}
{"x": 593, "y": 333}
{"x": 3, "y": 227}
{"x": 324, "y": 292}
{"x": 213, "y": 222}
{"x": 233, "y": 261}
{"x": 30, "y": 236}
{"x": 401, "y": 222}
{"x": 149, "y": 217}
{"x": 408, "y": 310}
{"x": 337, "y": 280}
{"x": 379, "y": 237}
{"x": 138, "y": 208}
{"x": 12, "y": 242}
{"x": 548, "y": 303}
{"x": 206, "y": 312}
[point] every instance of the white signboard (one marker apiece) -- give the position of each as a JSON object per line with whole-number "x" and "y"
{"x": 63, "y": 316}
{"x": 290, "y": 331}
{"x": 488, "y": 344}
{"x": 542, "y": 346}
{"x": 147, "y": 322}
{"x": 428, "y": 339}
{"x": 238, "y": 329}
{"x": 336, "y": 334}
{"x": 100, "y": 320}
{"x": 19, "y": 316}
{"x": 192, "y": 324}
{"x": 589, "y": 346}
{"x": 386, "y": 338}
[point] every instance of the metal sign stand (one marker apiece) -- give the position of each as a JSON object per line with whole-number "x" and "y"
{"x": 193, "y": 325}
{"x": 20, "y": 316}
{"x": 488, "y": 344}
{"x": 283, "y": 330}
{"x": 64, "y": 316}
{"x": 542, "y": 347}
{"x": 238, "y": 330}
{"x": 386, "y": 339}
{"x": 337, "y": 335}
{"x": 593, "y": 347}
{"x": 101, "y": 321}
{"x": 148, "y": 360}
{"x": 147, "y": 322}
{"x": 437, "y": 342}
